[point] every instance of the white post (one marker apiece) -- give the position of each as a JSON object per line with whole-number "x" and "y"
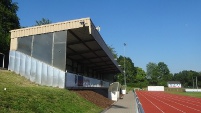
{"x": 193, "y": 82}
{"x": 196, "y": 83}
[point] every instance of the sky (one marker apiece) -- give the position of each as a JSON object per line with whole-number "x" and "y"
{"x": 155, "y": 31}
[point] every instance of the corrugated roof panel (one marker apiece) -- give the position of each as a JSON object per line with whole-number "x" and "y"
{"x": 50, "y": 28}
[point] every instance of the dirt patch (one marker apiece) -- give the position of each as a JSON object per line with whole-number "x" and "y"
{"x": 95, "y": 98}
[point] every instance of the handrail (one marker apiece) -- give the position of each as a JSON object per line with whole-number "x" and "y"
{"x": 139, "y": 108}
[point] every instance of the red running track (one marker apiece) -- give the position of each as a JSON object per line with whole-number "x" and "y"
{"x": 162, "y": 102}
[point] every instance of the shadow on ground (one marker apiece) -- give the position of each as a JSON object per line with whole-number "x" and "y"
{"x": 117, "y": 106}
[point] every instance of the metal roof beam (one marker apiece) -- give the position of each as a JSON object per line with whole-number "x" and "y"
{"x": 78, "y": 42}
{"x": 83, "y": 43}
{"x": 80, "y": 55}
{"x": 83, "y": 52}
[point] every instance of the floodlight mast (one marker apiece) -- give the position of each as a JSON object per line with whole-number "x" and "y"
{"x": 124, "y": 66}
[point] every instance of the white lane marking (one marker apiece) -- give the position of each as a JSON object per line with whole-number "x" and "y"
{"x": 153, "y": 104}
{"x": 178, "y": 103}
{"x": 191, "y": 99}
{"x": 168, "y": 104}
{"x": 180, "y": 100}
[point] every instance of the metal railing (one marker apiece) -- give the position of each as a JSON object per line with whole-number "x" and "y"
{"x": 138, "y": 106}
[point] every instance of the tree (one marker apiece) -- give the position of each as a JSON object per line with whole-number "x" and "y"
{"x": 113, "y": 51}
{"x": 187, "y": 78}
{"x": 120, "y": 76}
{"x": 163, "y": 70}
{"x": 43, "y": 21}
{"x": 8, "y": 21}
{"x": 140, "y": 78}
{"x": 152, "y": 73}
{"x": 163, "y": 74}
{"x": 158, "y": 74}
{"x": 130, "y": 70}
{"x": 141, "y": 75}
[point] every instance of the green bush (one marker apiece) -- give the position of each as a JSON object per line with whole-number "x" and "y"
{"x": 123, "y": 87}
{"x": 138, "y": 85}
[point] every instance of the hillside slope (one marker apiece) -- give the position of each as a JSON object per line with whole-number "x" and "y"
{"x": 18, "y": 94}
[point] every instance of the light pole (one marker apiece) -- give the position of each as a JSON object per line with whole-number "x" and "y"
{"x": 193, "y": 82}
{"x": 124, "y": 66}
{"x": 196, "y": 82}
{"x": 3, "y": 59}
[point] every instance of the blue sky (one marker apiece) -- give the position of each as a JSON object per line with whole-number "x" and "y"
{"x": 166, "y": 31}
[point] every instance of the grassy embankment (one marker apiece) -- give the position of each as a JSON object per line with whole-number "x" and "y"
{"x": 23, "y": 96}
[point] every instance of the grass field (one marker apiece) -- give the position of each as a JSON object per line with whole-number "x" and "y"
{"x": 25, "y": 97}
{"x": 192, "y": 94}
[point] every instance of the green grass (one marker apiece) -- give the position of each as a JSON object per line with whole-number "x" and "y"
{"x": 174, "y": 89}
{"x": 192, "y": 94}
{"x": 129, "y": 88}
{"x": 22, "y": 96}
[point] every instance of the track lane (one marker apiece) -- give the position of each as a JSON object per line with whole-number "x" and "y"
{"x": 192, "y": 100}
{"x": 182, "y": 102}
{"x": 166, "y": 108}
{"x": 149, "y": 105}
{"x": 169, "y": 103}
{"x": 185, "y": 107}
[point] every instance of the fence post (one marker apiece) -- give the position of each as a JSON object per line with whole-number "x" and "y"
{"x": 3, "y": 59}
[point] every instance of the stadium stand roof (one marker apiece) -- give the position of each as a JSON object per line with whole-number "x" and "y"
{"x": 84, "y": 43}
